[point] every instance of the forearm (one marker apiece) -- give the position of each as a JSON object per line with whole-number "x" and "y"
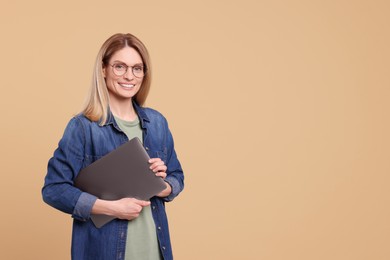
{"x": 175, "y": 176}
{"x": 126, "y": 208}
{"x": 103, "y": 207}
{"x": 69, "y": 199}
{"x": 166, "y": 192}
{"x": 63, "y": 196}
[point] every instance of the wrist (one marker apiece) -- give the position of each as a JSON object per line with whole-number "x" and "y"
{"x": 103, "y": 207}
{"x": 166, "y": 192}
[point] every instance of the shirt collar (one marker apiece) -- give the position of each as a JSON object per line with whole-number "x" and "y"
{"x": 143, "y": 118}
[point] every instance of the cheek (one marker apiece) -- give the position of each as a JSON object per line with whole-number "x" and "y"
{"x": 110, "y": 79}
{"x": 140, "y": 82}
{"x": 110, "y": 83}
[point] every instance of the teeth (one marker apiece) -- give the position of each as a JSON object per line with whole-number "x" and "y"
{"x": 127, "y": 85}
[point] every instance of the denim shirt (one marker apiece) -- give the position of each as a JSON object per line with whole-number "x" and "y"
{"x": 83, "y": 143}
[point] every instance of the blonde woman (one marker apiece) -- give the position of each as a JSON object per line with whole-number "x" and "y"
{"x": 113, "y": 114}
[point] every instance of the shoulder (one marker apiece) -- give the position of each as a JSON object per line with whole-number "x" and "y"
{"x": 83, "y": 121}
{"x": 79, "y": 124}
{"x": 74, "y": 132}
{"x": 81, "y": 118}
{"x": 152, "y": 114}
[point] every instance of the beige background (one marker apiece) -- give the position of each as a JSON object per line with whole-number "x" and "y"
{"x": 279, "y": 109}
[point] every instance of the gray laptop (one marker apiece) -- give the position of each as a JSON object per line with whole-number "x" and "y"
{"x": 122, "y": 173}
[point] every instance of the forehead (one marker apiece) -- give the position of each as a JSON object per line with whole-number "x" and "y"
{"x": 127, "y": 55}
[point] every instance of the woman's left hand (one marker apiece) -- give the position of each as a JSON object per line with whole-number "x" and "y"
{"x": 160, "y": 169}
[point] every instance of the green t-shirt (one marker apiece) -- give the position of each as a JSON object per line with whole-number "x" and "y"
{"x": 141, "y": 242}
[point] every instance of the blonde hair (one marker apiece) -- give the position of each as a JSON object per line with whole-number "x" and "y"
{"x": 97, "y": 104}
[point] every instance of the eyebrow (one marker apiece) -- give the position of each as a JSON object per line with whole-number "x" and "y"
{"x": 137, "y": 64}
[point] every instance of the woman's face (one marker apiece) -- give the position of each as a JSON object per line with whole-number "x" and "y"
{"x": 126, "y": 85}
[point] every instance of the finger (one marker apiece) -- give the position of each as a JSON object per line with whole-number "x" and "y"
{"x": 161, "y": 174}
{"x": 138, "y": 202}
{"x": 161, "y": 168}
{"x": 153, "y": 160}
{"x": 142, "y": 203}
{"x": 145, "y": 203}
{"x": 156, "y": 163}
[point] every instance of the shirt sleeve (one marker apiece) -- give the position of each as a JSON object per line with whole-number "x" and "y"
{"x": 175, "y": 176}
{"x": 59, "y": 190}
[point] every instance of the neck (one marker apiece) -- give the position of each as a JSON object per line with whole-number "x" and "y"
{"x": 123, "y": 109}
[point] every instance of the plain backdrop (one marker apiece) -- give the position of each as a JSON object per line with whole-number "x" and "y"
{"x": 279, "y": 111}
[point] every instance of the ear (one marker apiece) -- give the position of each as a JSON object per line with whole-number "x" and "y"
{"x": 104, "y": 72}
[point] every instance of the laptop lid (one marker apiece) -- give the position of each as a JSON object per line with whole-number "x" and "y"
{"x": 122, "y": 173}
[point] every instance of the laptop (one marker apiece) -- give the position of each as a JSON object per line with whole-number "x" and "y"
{"x": 122, "y": 173}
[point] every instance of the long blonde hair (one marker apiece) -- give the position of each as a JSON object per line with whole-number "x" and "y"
{"x": 97, "y": 104}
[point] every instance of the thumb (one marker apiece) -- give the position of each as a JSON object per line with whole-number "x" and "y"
{"x": 143, "y": 203}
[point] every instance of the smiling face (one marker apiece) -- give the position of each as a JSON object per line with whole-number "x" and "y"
{"x": 123, "y": 87}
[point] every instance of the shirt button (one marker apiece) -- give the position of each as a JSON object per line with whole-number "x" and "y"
{"x": 163, "y": 247}
{"x": 159, "y": 228}
{"x": 147, "y": 148}
{"x": 154, "y": 207}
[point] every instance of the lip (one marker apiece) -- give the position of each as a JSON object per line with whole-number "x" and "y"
{"x": 126, "y": 85}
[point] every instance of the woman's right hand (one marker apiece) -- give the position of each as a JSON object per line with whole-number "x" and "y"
{"x": 129, "y": 208}
{"x": 126, "y": 208}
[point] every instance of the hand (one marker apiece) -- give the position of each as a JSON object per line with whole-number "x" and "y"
{"x": 158, "y": 167}
{"x": 129, "y": 208}
{"x": 126, "y": 208}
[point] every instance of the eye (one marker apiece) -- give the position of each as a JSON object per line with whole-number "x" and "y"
{"x": 120, "y": 66}
{"x": 138, "y": 68}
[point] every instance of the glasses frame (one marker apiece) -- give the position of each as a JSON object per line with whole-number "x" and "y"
{"x": 127, "y": 68}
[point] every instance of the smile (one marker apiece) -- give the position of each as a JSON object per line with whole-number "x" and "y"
{"x": 124, "y": 85}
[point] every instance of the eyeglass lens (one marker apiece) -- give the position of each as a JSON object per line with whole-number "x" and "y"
{"x": 120, "y": 69}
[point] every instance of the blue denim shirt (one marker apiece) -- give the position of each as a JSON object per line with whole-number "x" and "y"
{"x": 83, "y": 143}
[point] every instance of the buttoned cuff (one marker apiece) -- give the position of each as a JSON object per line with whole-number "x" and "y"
{"x": 175, "y": 188}
{"x": 83, "y": 208}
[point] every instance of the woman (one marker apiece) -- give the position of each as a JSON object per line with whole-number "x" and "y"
{"x": 113, "y": 114}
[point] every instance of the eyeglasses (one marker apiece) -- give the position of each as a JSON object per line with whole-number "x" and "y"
{"x": 120, "y": 69}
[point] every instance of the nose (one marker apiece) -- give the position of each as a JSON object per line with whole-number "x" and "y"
{"x": 129, "y": 74}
